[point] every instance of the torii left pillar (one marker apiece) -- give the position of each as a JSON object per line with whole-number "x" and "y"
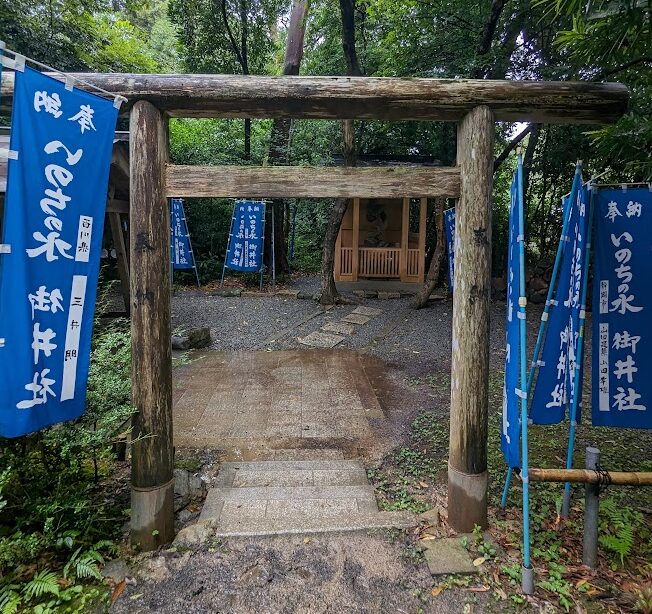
{"x": 152, "y": 453}
{"x": 467, "y": 461}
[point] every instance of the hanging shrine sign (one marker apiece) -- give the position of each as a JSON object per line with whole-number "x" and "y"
{"x": 59, "y": 159}
{"x": 245, "y": 250}
{"x": 622, "y": 301}
{"x": 510, "y": 432}
{"x": 554, "y": 390}
{"x": 181, "y": 253}
{"x": 449, "y": 225}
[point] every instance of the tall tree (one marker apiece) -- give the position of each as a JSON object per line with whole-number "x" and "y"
{"x": 282, "y": 127}
{"x": 227, "y": 36}
{"x": 612, "y": 40}
{"x": 77, "y": 35}
{"x": 329, "y": 292}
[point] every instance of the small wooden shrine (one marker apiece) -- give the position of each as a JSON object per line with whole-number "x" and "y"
{"x": 377, "y": 241}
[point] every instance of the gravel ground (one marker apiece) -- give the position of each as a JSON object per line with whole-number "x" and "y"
{"x": 416, "y": 341}
{"x": 238, "y": 323}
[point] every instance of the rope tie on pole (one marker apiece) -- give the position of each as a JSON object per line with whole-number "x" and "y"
{"x": 604, "y": 479}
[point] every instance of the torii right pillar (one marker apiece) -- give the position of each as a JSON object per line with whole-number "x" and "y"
{"x": 467, "y": 462}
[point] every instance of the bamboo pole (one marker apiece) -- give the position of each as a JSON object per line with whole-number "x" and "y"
{"x": 152, "y": 482}
{"x": 467, "y": 464}
{"x": 587, "y": 476}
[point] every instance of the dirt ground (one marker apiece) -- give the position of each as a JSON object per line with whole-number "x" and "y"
{"x": 383, "y": 571}
{"x": 323, "y": 573}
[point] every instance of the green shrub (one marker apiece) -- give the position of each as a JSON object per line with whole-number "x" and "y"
{"x": 54, "y": 518}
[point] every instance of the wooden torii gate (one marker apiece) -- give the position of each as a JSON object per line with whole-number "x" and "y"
{"x": 474, "y": 104}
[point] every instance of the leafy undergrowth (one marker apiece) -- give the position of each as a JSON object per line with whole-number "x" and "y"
{"x": 62, "y": 508}
{"x": 414, "y": 478}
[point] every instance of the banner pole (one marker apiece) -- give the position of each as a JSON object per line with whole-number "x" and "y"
{"x": 228, "y": 244}
{"x": 579, "y": 360}
{"x": 262, "y": 247}
{"x": 527, "y": 575}
{"x": 546, "y": 310}
{"x": 508, "y": 481}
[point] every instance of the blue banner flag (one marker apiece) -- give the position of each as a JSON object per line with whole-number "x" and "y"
{"x": 510, "y": 430}
{"x": 449, "y": 224}
{"x": 245, "y": 252}
{"x": 555, "y": 385}
{"x": 180, "y": 248}
{"x": 52, "y": 240}
{"x": 622, "y": 301}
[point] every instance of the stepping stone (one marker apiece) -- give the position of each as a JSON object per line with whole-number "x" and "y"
{"x": 321, "y": 340}
{"x": 367, "y": 311}
{"x": 278, "y": 497}
{"x": 388, "y": 295}
{"x": 289, "y": 293}
{"x": 341, "y": 328}
{"x": 356, "y": 318}
{"x": 448, "y": 556}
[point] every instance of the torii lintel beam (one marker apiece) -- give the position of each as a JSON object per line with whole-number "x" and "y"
{"x": 382, "y": 98}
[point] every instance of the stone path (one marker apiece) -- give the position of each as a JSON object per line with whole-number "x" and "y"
{"x": 277, "y": 497}
{"x": 333, "y": 333}
{"x": 283, "y": 399}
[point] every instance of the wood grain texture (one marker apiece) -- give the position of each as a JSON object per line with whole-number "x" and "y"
{"x": 311, "y": 182}
{"x": 423, "y": 214}
{"x": 363, "y": 97}
{"x": 121, "y": 256}
{"x": 470, "y": 338}
{"x": 355, "y": 240}
{"x": 152, "y": 451}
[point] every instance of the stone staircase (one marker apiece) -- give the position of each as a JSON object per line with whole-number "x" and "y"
{"x": 295, "y": 496}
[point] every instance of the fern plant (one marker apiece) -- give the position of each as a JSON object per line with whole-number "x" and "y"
{"x": 618, "y": 527}
{"x": 44, "y": 582}
{"x": 84, "y": 565}
{"x": 10, "y": 599}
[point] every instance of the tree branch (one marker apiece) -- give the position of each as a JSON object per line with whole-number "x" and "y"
{"x": 229, "y": 33}
{"x": 511, "y": 145}
{"x": 484, "y": 46}
{"x": 607, "y": 72}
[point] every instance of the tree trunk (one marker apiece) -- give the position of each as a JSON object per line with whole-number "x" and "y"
{"x": 280, "y": 137}
{"x": 347, "y": 11}
{"x": 484, "y": 45}
{"x": 329, "y": 292}
{"x": 434, "y": 270}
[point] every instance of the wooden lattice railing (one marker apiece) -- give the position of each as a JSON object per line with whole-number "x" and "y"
{"x": 379, "y": 262}
{"x": 413, "y": 262}
{"x": 346, "y": 261}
